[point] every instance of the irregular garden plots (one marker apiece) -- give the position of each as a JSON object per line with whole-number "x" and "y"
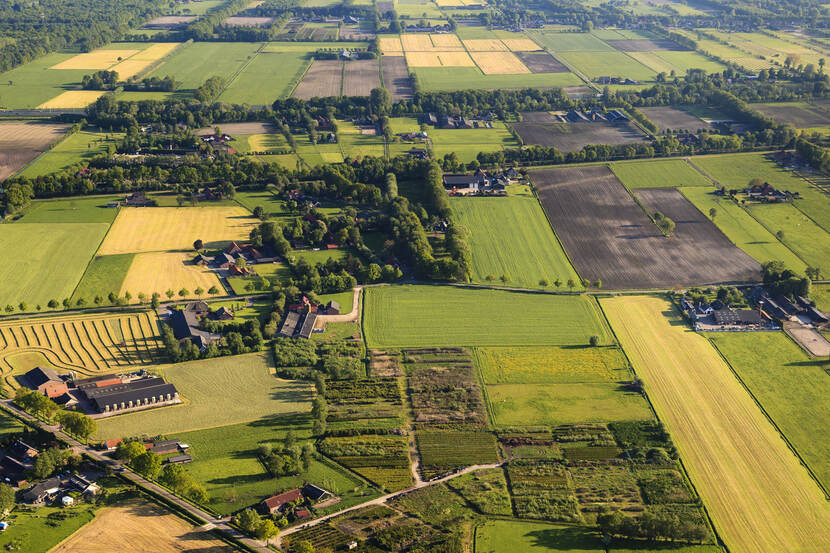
{"x": 793, "y": 390}
{"x": 609, "y": 237}
{"x": 249, "y": 392}
{"x": 87, "y": 344}
{"x": 21, "y": 143}
{"x": 554, "y": 385}
{"x": 135, "y": 526}
{"x": 760, "y": 498}
{"x": 445, "y": 315}
{"x": 512, "y": 238}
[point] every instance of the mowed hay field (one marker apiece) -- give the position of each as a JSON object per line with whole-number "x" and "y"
{"x": 149, "y": 229}
{"x": 759, "y": 496}
{"x": 411, "y": 316}
{"x": 136, "y": 526}
{"x": 499, "y": 63}
{"x": 95, "y": 60}
{"x": 45, "y": 261}
{"x": 158, "y": 272}
{"x": 792, "y": 388}
{"x": 512, "y": 238}
{"x": 90, "y": 344}
{"x": 215, "y": 392}
{"x": 72, "y": 99}
{"x": 21, "y": 142}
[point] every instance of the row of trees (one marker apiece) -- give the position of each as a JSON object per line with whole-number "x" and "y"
{"x": 149, "y": 465}
{"x": 39, "y": 405}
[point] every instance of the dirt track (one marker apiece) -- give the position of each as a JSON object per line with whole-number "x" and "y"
{"x": 609, "y": 237}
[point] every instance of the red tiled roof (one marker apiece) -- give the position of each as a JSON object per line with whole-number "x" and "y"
{"x": 277, "y": 501}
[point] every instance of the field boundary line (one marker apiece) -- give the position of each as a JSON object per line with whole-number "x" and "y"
{"x": 95, "y": 254}
{"x": 567, "y": 64}
{"x": 301, "y": 74}
{"x": 553, "y": 230}
{"x": 48, "y": 149}
{"x": 155, "y": 64}
{"x": 703, "y": 506}
{"x": 241, "y": 70}
{"x": 768, "y": 416}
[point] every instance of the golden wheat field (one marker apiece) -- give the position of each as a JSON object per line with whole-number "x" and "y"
{"x": 138, "y": 526}
{"x": 162, "y": 271}
{"x": 156, "y": 51}
{"x": 390, "y": 45}
{"x": 72, "y": 99}
{"x": 520, "y": 45}
{"x": 758, "y": 495}
{"x": 152, "y": 229}
{"x": 446, "y": 42}
{"x": 142, "y": 60}
{"x": 499, "y": 63}
{"x": 88, "y": 344}
{"x": 417, "y": 43}
{"x": 485, "y": 45}
{"x": 439, "y": 59}
{"x": 97, "y": 59}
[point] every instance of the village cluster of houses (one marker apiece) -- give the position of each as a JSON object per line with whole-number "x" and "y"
{"x": 105, "y": 394}
{"x": 301, "y": 318}
{"x": 480, "y": 183}
{"x": 593, "y": 116}
{"x": 453, "y": 122}
{"x": 19, "y": 459}
{"x": 768, "y": 194}
{"x": 230, "y": 257}
{"x": 186, "y": 322}
{"x": 770, "y": 309}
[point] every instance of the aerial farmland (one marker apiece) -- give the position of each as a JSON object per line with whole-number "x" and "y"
{"x": 410, "y": 276}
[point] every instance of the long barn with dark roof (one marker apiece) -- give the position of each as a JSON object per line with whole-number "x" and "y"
{"x": 144, "y": 392}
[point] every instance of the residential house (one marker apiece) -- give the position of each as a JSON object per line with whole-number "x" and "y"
{"x": 276, "y": 503}
{"x": 332, "y": 308}
{"x": 315, "y": 493}
{"x": 42, "y": 492}
{"x": 138, "y": 199}
{"x": 46, "y": 381}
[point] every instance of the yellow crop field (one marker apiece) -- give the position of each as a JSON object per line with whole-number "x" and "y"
{"x": 97, "y": 59}
{"x": 417, "y": 43}
{"x": 162, "y": 271}
{"x": 136, "y": 526}
{"x": 152, "y": 229}
{"x": 520, "y": 45}
{"x": 446, "y": 42}
{"x": 499, "y": 63}
{"x": 390, "y": 45}
{"x": 89, "y": 344}
{"x": 72, "y": 99}
{"x": 142, "y": 60}
{"x": 439, "y": 59}
{"x": 759, "y": 496}
{"x": 156, "y": 51}
{"x": 485, "y": 45}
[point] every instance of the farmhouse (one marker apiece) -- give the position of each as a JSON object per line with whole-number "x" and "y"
{"x": 140, "y": 393}
{"x": 178, "y": 460}
{"x": 42, "y": 492}
{"x": 138, "y": 199}
{"x": 738, "y": 317}
{"x": 46, "y": 381}
{"x": 332, "y": 308}
{"x": 315, "y": 493}
{"x": 185, "y": 324}
{"x": 276, "y": 503}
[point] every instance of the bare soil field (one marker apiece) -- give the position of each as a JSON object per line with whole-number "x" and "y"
{"x": 20, "y": 143}
{"x": 609, "y": 237}
{"x": 361, "y": 77}
{"x": 323, "y": 78}
{"x": 578, "y": 91}
{"x": 799, "y": 116}
{"x": 646, "y": 45}
{"x": 760, "y": 498}
{"x": 169, "y": 22}
{"x": 541, "y": 62}
{"x": 240, "y": 21}
{"x": 569, "y": 137}
{"x": 673, "y": 118}
{"x": 396, "y": 77}
{"x": 538, "y": 117}
{"x": 137, "y": 526}
{"x": 240, "y": 128}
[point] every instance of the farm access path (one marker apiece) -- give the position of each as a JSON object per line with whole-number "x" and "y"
{"x": 384, "y": 498}
{"x": 220, "y": 524}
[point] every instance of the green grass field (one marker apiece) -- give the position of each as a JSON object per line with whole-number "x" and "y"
{"x": 467, "y": 143}
{"x": 201, "y": 7}
{"x": 45, "y": 260}
{"x": 679, "y": 62}
{"x": 509, "y": 536}
{"x": 571, "y": 42}
{"x": 596, "y": 64}
{"x": 192, "y": 64}
{"x": 248, "y": 392}
{"x": 225, "y": 462}
{"x": 410, "y": 316}
{"x": 433, "y": 79}
{"x": 81, "y": 146}
{"x": 273, "y": 206}
{"x": 658, "y": 174}
{"x": 809, "y": 241}
{"x": 36, "y": 532}
{"x": 792, "y": 388}
{"x": 269, "y": 76}
{"x": 34, "y": 83}
{"x": 354, "y": 144}
{"x": 742, "y": 229}
{"x": 511, "y": 237}
{"x": 104, "y": 274}
{"x": 9, "y": 425}
{"x": 551, "y": 365}
{"x": 71, "y": 210}
{"x": 820, "y": 294}
{"x": 735, "y": 171}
